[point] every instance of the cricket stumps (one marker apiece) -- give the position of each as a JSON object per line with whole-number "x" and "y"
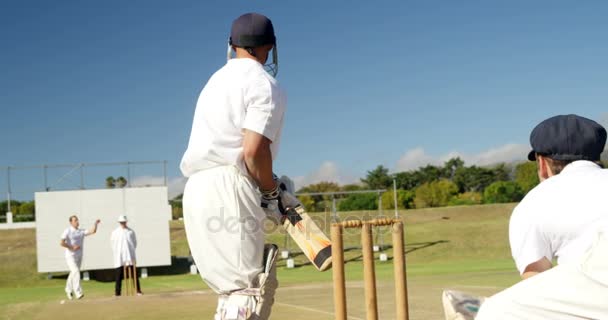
{"x": 369, "y": 274}
{"x": 130, "y": 279}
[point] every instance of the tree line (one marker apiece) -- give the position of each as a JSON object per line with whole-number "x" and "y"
{"x": 22, "y": 210}
{"x": 119, "y": 182}
{"x": 452, "y": 184}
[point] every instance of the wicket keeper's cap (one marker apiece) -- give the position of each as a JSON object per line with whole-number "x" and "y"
{"x": 252, "y": 30}
{"x": 568, "y": 137}
{"x": 122, "y": 218}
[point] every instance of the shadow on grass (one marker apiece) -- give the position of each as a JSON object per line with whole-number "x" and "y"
{"x": 179, "y": 265}
{"x": 409, "y": 248}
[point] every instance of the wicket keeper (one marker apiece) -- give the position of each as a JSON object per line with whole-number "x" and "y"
{"x": 563, "y": 219}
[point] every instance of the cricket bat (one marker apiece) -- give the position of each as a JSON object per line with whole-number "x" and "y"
{"x": 304, "y": 231}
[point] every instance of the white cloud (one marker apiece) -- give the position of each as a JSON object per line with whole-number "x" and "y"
{"x": 506, "y": 153}
{"x": 604, "y": 120}
{"x": 411, "y": 160}
{"x": 328, "y": 171}
{"x": 175, "y": 185}
{"x": 415, "y": 158}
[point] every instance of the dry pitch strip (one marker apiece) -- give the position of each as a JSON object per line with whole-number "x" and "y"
{"x": 369, "y": 274}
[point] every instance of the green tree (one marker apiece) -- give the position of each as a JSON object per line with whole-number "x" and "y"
{"x": 323, "y": 186}
{"x": 467, "y": 198}
{"x": 435, "y": 194}
{"x": 110, "y": 182}
{"x": 501, "y": 172}
{"x": 430, "y": 173}
{"x": 121, "y": 182}
{"x": 25, "y": 211}
{"x": 351, "y": 187}
{"x": 3, "y": 207}
{"x": 526, "y": 176}
{"x": 407, "y": 180}
{"x": 177, "y": 210}
{"x": 503, "y": 192}
{"x": 473, "y": 178}
{"x": 14, "y": 206}
{"x": 320, "y": 202}
{"x": 378, "y": 178}
{"x": 405, "y": 199}
{"x": 450, "y": 167}
{"x": 359, "y": 201}
{"x": 308, "y": 202}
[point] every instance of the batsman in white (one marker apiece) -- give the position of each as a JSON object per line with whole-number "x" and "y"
{"x": 72, "y": 240}
{"x": 564, "y": 218}
{"x": 235, "y": 138}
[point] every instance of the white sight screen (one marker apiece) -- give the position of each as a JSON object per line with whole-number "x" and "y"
{"x": 147, "y": 210}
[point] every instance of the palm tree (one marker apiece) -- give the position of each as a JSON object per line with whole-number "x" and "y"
{"x": 110, "y": 182}
{"x": 121, "y": 182}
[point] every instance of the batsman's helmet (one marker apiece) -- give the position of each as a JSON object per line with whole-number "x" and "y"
{"x": 254, "y": 30}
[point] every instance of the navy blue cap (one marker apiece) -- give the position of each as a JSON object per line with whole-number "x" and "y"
{"x": 252, "y": 30}
{"x": 568, "y": 137}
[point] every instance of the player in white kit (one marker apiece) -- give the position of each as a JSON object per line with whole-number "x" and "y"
{"x": 72, "y": 239}
{"x": 235, "y": 137}
{"x": 564, "y": 218}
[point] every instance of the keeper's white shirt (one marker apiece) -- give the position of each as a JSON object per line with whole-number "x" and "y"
{"x": 560, "y": 217}
{"x": 74, "y": 237}
{"x": 241, "y": 95}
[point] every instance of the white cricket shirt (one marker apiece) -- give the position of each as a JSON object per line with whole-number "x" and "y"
{"x": 124, "y": 243}
{"x": 561, "y": 217}
{"x": 241, "y": 95}
{"x": 73, "y": 237}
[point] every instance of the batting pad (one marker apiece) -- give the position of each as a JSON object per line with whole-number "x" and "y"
{"x": 458, "y": 305}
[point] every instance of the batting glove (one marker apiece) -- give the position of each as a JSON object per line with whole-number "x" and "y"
{"x": 275, "y": 202}
{"x": 288, "y": 199}
{"x": 270, "y": 204}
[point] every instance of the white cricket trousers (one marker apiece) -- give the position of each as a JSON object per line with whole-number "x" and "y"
{"x": 566, "y": 292}
{"x": 224, "y": 226}
{"x": 72, "y": 285}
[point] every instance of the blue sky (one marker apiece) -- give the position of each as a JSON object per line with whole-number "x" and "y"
{"x": 395, "y": 83}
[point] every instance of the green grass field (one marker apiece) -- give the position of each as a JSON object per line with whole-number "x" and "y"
{"x": 457, "y": 247}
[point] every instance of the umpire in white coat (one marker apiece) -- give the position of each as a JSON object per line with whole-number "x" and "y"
{"x": 124, "y": 243}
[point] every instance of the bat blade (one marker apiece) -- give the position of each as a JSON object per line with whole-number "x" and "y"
{"x": 309, "y": 237}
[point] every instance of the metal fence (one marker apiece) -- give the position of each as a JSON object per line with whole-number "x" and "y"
{"x": 22, "y": 182}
